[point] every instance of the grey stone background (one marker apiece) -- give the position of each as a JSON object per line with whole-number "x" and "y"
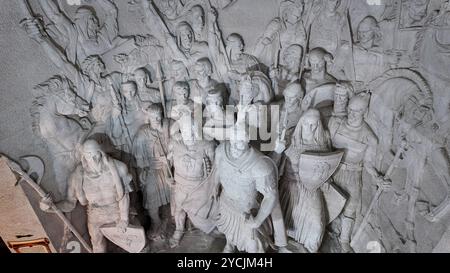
{"x": 24, "y": 65}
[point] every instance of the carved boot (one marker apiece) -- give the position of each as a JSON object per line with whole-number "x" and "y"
{"x": 346, "y": 232}
{"x": 176, "y": 238}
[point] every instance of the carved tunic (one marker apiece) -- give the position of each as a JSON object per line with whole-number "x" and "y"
{"x": 150, "y": 151}
{"x": 192, "y": 188}
{"x": 355, "y": 143}
{"x": 241, "y": 180}
{"x": 327, "y": 32}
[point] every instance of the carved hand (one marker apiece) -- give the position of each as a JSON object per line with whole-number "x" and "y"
{"x": 47, "y": 204}
{"x": 252, "y": 223}
{"x": 280, "y": 146}
{"x": 383, "y": 183}
{"x": 122, "y": 226}
{"x": 274, "y": 73}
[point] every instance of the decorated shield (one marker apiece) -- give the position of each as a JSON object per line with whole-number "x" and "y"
{"x": 133, "y": 240}
{"x": 316, "y": 168}
{"x": 335, "y": 201}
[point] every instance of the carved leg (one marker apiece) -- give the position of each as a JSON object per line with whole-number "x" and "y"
{"x": 180, "y": 220}
{"x": 155, "y": 222}
{"x": 279, "y": 229}
{"x": 99, "y": 243}
{"x": 346, "y": 232}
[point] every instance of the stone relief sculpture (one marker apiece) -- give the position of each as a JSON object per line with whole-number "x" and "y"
{"x": 330, "y": 27}
{"x": 55, "y": 101}
{"x": 318, "y": 61}
{"x": 414, "y": 13}
{"x": 242, "y": 173}
{"x": 192, "y": 159}
{"x": 150, "y": 149}
{"x": 355, "y": 137}
{"x": 83, "y": 35}
{"x": 103, "y": 185}
{"x": 282, "y": 32}
{"x": 343, "y": 94}
{"x": 300, "y": 194}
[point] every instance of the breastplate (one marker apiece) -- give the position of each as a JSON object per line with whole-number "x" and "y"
{"x": 189, "y": 163}
{"x": 238, "y": 187}
{"x": 354, "y": 148}
{"x": 100, "y": 191}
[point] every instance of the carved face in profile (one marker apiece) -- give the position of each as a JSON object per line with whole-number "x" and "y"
{"x": 214, "y": 103}
{"x": 417, "y": 9}
{"x": 239, "y": 141}
{"x": 179, "y": 71}
{"x": 92, "y": 155}
{"x": 293, "y": 14}
{"x": 317, "y": 63}
{"x": 186, "y": 37}
{"x": 357, "y": 108}
{"x": 140, "y": 77}
{"x": 181, "y": 92}
{"x": 198, "y": 17}
{"x": 293, "y": 96}
{"x": 155, "y": 116}
{"x": 129, "y": 91}
{"x": 332, "y": 5}
{"x": 367, "y": 30}
{"x": 203, "y": 69}
{"x": 235, "y": 45}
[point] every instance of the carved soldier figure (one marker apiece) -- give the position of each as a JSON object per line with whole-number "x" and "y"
{"x": 282, "y": 32}
{"x": 254, "y": 94}
{"x": 354, "y": 136}
{"x": 103, "y": 185}
{"x": 192, "y": 161}
{"x": 290, "y": 112}
{"x": 145, "y": 92}
{"x": 150, "y": 149}
{"x": 184, "y": 106}
{"x": 289, "y": 69}
{"x": 243, "y": 172}
{"x": 229, "y": 58}
{"x": 318, "y": 59}
{"x": 414, "y": 13}
{"x": 91, "y": 82}
{"x": 216, "y": 119}
{"x": 127, "y": 116}
{"x": 185, "y": 48}
{"x": 204, "y": 83}
{"x": 369, "y": 60}
{"x": 309, "y": 136}
{"x": 198, "y": 23}
{"x": 84, "y": 36}
{"x": 342, "y": 95}
{"x": 330, "y": 28}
